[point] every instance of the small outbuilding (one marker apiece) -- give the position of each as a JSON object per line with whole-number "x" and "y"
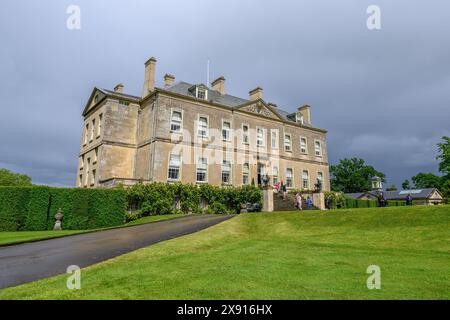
{"x": 429, "y": 196}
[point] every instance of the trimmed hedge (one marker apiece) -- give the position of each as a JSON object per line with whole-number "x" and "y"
{"x": 34, "y": 208}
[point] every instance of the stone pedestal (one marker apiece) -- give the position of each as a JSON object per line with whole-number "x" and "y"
{"x": 319, "y": 200}
{"x": 267, "y": 200}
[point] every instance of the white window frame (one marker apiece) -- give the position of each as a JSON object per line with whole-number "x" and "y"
{"x": 263, "y": 138}
{"x": 228, "y": 164}
{"x": 290, "y": 142}
{"x": 246, "y": 134}
{"x": 299, "y": 118}
{"x": 197, "y": 92}
{"x": 170, "y": 166}
{"x": 317, "y": 177}
{"x": 99, "y": 125}
{"x": 306, "y": 145}
{"x": 275, "y": 174}
{"x": 320, "y": 148}
{"x": 201, "y": 128}
{"x": 92, "y": 134}
{"x": 174, "y": 122}
{"x": 95, "y": 155}
{"x": 228, "y": 138}
{"x": 246, "y": 172}
{"x": 93, "y": 176}
{"x": 308, "y": 186}
{"x": 198, "y": 169}
{"x": 86, "y": 134}
{"x": 277, "y": 138}
{"x": 291, "y": 177}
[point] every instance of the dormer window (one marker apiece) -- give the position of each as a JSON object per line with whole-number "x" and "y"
{"x": 299, "y": 118}
{"x": 200, "y": 91}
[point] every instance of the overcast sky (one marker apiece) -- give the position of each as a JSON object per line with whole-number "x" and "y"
{"x": 383, "y": 95}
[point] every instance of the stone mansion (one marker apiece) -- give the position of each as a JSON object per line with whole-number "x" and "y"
{"x": 193, "y": 133}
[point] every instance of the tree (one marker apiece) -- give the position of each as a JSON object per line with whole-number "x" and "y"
{"x": 406, "y": 185}
{"x": 427, "y": 180}
{"x": 444, "y": 156}
{"x": 353, "y": 175}
{"x": 8, "y": 178}
{"x": 391, "y": 188}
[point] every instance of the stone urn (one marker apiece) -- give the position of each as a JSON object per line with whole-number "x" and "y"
{"x": 243, "y": 208}
{"x": 58, "y": 218}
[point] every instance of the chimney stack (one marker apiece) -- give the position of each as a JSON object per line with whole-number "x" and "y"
{"x": 219, "y": 85}
{"x": 119, "y": 88}
{"x": 306, "y": 113}
{"x": 256, "y": 93}
{"x": 149, "y": 82}
{"x": 168, "y": 80}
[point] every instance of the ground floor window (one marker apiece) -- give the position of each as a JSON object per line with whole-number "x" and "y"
{"x": 274, "y": 175}
{"x": 305, "y": 178}
{"x": 245, "y": 173}
{"x": 289, "y": 177}
{"x": 174, "y": 167}
{"x": 202, "y": 170}
{"x": 226, "y": 172}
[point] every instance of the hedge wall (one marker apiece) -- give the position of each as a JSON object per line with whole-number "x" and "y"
{"x": 34, "y": 208}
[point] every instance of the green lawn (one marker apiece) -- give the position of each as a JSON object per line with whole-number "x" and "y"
{"x": 307, "y": 255}
{"x": 8, "y": 238}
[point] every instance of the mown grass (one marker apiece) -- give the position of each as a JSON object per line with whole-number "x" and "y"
{"x": 10, "y": 238}
{"x": 297, "y": 255}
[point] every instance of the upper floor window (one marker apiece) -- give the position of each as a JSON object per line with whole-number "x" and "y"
{"x": 124, "y": 103}
{"x": 202, "y": 170}
{"x": 287, "y": 142}
{"x": 92, "y": 130}
{"x": 86, "y": 134}
{"x": 318, "y": 148}
{"x": 274, "y": 139}
{"x": 99, "y": 126}
{"x": 226, "y": 172}
{"x": 245, "y": 136}
{"x": 202, "y": 129}
{"x": 174, "y": 167}
{"x": 303, "y": 145}
{"x": 260, "y": 137}
{"x": 176, "y": 121}
{"x": 93, "y": 177}
{"x": 226, "y": 127}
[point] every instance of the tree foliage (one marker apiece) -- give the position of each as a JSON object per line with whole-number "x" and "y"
{"x": 11, "y": 179}
{"x": 353, "y": 175}
{"x": 427, "y": 180}
{"x": 406, "y": 185}
{"x": 444, "y": 155}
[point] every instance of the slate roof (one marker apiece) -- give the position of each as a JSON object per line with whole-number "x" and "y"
{"x": 416, "y": 194}
{"x": 226, "y": 99}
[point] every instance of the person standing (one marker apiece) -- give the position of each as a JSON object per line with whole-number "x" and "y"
{"x": 409, "y": 200}
{"x": 284, "y": 192}
{"x": 298, "y": 201}
{"x": 309, "y": 203}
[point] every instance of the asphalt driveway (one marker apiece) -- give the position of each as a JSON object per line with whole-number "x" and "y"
{"x": 33, "y": 261}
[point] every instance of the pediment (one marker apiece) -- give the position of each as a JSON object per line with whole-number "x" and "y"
{"x": 96, "y": 96}
{"x": 261, "y": 108}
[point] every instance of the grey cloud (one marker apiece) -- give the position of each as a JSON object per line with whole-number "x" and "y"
{"x": 383, "y": 95}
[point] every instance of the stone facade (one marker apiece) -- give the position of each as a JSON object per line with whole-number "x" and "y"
{"x": 127, "y": 139}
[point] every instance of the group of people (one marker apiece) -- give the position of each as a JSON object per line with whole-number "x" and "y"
{"x": 298, "y": 199}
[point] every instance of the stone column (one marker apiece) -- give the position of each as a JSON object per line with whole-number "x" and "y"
{"x": 267, "y": 200}
{"x": 319, "y": 200}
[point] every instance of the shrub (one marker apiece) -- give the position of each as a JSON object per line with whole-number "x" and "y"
{"x": 38, "y": 209}
{"x": 217, "y": 208}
